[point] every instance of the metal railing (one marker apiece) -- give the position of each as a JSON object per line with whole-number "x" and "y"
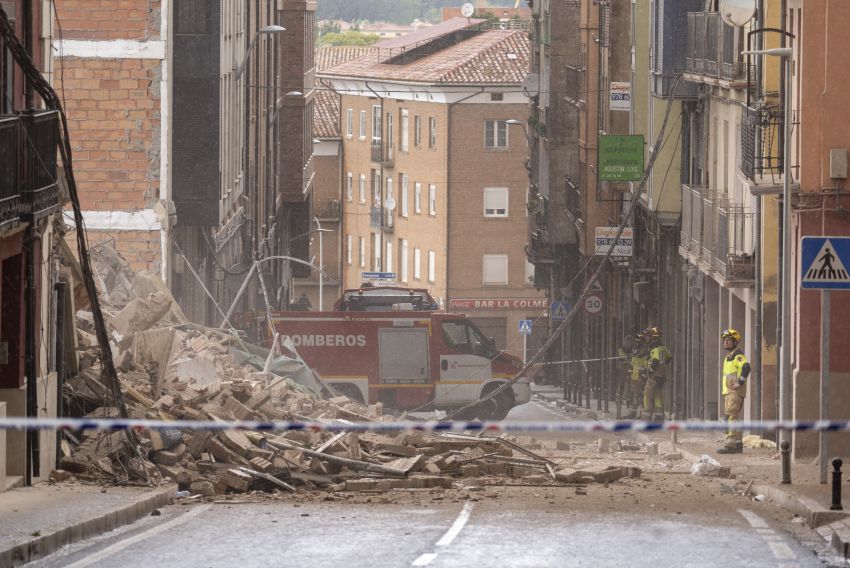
{"x": 328, "y": 210}
{"x": 714, "y": 49}
{"x": 761, "y": 148}
{"x": 692, "y": 218}
{"x": 28, "y": 161}
{"x": 382, "y": 154}
{"x": 375, "y": 221}
{"x": 735, "y": 244}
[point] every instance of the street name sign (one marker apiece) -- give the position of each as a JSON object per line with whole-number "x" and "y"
{"x": 824, "y": 262}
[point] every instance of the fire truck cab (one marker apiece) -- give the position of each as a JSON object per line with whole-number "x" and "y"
{"x": 406, "y": 359}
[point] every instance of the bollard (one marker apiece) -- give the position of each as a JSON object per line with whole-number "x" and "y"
{"x": 836, "y": 485}
{"x": 785, "y": 458}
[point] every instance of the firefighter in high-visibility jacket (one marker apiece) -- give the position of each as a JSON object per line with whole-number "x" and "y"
{"x": 736, "y": 369}
{"x": 656, "y": 375}
{"x": 635, "y": 384}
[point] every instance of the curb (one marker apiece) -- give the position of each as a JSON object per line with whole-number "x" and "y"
{"x": 36, "y": 547}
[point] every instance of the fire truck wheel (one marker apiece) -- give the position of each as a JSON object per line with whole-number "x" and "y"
{"x": 350, "y": 391}
{"x": 497, "y": 408}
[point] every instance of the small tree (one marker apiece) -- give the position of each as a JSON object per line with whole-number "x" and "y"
{"x": 348, "y": 38}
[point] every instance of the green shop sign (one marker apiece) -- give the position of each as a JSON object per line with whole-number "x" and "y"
{"x": 620, "y": 157}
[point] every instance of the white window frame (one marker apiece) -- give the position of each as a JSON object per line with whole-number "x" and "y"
{"x": 417, "y": 131}
{"x": 417, "y": 197}
{"x": 389, "y": 255}
{"x": 362, "y": 188}
{"x": 376, "y": 252}
{"x": 349, "y": 186}
{"x": 493, "y": 258}
{"x": 348, "y": 242}
{"x": 496, "y": 211}
{"x": 417, "y": 264}
{"x": 362, "y": 252}
{"x": 349, "y": 122}
{"x": 404, "y": 131}
{"x": 376, "y": 123}
{"x": 432, "y": 132}
{"x": 405, "y": 189}
{"x": 432, "y": 266}
{"x": 389, "y": 214}
{"x": 376, "y": 188}
{"x": 498, "y": 129}
{"x": 363, "y": 125}
{"x": 432, "y": 199}
{"x": 403, "y": 261}
{"x": 390, "y": 136}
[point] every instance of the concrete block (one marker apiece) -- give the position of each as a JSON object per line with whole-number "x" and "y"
{"x": 470, "y": 471}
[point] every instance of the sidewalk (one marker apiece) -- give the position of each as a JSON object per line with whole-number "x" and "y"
{"x": 804, "y": 496}
{"x": 38, "y": 520}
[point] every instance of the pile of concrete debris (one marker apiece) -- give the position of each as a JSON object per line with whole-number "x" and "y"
{"x": 171, "y": 369}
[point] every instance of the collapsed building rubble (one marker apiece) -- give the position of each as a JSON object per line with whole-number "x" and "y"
{"x": 172, "y": 369}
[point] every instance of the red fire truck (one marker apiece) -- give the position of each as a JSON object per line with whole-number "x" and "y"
{"x": 404, "y": 358}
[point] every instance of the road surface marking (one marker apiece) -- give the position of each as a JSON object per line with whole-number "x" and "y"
{"x": 425, "y": 559}
{"x": 780, "y": 549}
{"x": 457, "y": 526}
{"x": 450, "y": 535}
{"x": 119, "y": 546}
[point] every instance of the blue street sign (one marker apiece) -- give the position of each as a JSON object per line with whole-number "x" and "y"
{"x": 558, "y": 310}
{"x": 525, "y": 327}
{"x": 378, "y": 275}
{"x": 824, "y": 262}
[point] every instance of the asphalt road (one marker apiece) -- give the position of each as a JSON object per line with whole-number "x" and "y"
{"x": 659, "y": 521}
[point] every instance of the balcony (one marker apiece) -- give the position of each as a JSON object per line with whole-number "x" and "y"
{"x": 382, "y": 154}
{"x": 375, "y": 220}
{"x": 389, "y": 220}
{"x": 714, "y": 50}
{"x": 28, "y": 181}
{"x": 717, "y": 236}
{"x": 328, "y": 210}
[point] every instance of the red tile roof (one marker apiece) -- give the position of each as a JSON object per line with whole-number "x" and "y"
{"x": 493, "y": 57}
{"x": 328, "y": 56}
{"x": 326, "y": 114}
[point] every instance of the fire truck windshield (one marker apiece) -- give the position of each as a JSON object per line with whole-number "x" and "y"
{"x": 465, "y": 337}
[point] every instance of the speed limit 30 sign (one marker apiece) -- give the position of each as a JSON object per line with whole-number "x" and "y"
{"x": 593, "y": 304}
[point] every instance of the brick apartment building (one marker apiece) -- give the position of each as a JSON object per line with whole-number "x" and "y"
{"x": 434, "y": 185}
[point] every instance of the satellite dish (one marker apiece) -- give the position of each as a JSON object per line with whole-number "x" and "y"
{"x": 467, "y": 10}
{"x": 736, "y": 13}
{"x": 389, "y": 203}
{"x": 531, "y": 85}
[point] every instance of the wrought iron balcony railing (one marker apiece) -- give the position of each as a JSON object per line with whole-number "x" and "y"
{"x": 714, "y": 49}
{"x": 382, "y": 154}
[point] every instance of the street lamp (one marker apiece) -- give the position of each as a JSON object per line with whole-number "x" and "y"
{"x": 272, "y": 29}
{"x": 320, "y": 230}
{"x": 785, "y": 346}
{"x": 521, "y": 124}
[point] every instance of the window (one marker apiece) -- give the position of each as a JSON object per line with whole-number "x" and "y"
{"x": 463, "y": 336}
{"x": 376, "y": 123}
{"x": 349, "y": 182}
{"x": 495, "y": 269}
{"x": 376, "y": 252}
{"x": 363, "y": 125}
{"x": 417, "y": 197}
{"x": 389, "y": 201}
{"x": 389, "y": 136}
{"x": 402, "y": 263}
{"x": 349, "y": 122}
{"x": 405, "y": 189}
{"x": 417, "y": 131}
{"x": 403, "y": 131}
{"x": 362, "y": 188}
{"x": 348, "y": 249}
{"x": 389, "y": 256}
{"x": 432, "y": 199}
{"x": 495, "y": 201}
{"x": 376, "y": 188}
{"x": 362, "y": 252}
{"x": 497, "y": 96}
{"x": 417, "y": 264}
{"x": 432, "y": 266}
{"x": 529, "y": 273}
{"x": 432, "y": 129}
{"x": 495, "y": 134}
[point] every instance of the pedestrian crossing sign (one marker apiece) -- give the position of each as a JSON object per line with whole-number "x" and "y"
{"x": 824, "y": 263}
{"x": 559, "y": 310}
{"x": 525, "y": 327}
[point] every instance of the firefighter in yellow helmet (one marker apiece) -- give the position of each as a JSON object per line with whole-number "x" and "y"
{"x": 635, "y": 384}
{"x": 736, "y": 369}
{"x": 657, "y": 363}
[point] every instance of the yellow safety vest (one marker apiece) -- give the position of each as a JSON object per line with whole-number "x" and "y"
{"x": 638, "y": 365}
{"x": 732, "y": 366}
{"x": 663, "y": 356}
